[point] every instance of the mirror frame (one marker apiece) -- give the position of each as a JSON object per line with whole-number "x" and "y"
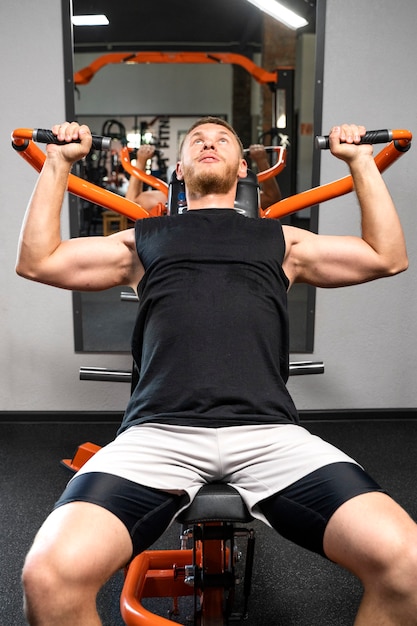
{"x": 68, "y": 62}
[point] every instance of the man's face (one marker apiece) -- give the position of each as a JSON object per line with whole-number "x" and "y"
{"x": 211, "y": 161}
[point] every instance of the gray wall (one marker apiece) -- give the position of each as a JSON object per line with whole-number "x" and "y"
{"x": 366, "y": 335}
{"x": 38, "y": 367}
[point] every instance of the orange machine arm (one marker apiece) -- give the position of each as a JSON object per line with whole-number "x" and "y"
{"x": 159, "y": 184}
{"x": 154, "y": 182}
{"x": 277, "y": 167}
{"x": 85, "y": 75}
{"x": 21, "y": 141}
{"x": 400, "y": 143}
{"x": 401, "y": 140}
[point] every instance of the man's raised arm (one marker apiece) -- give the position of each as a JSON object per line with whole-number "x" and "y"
{"x": 333, "y": 261}
{"x": 85, "y": 263}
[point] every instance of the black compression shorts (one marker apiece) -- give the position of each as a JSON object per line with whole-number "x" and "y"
{"x": 300, "y": 512}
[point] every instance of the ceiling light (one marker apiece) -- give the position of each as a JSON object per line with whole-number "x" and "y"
{"x": 90, "y": 20}
{"x": 280, "y": 13}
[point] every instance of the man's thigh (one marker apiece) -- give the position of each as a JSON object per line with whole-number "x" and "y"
{"x": 302, "y": 511}
{"x": 370, "y": 532}
{"x": 145, "y": 512}
{"x": 82, "y": 543}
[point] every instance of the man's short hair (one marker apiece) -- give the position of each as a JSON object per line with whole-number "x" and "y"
{"x": 213, "y": 120}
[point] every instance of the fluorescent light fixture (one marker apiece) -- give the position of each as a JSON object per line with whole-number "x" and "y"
{"x": 90, "y": 20}
{"x": 280, "y": 13}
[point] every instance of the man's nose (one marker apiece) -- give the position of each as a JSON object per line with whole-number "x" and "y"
{"x": 208, "y": 145}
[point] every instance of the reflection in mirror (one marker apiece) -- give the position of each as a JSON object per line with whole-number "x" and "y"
{"x": 155, "y": 102}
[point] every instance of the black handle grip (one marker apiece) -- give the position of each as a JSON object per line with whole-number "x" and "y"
{"x": 47, "y": 136}
{"x": 371, "y": 136}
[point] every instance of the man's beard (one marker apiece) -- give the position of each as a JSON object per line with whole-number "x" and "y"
{"x": 206, "y": 183}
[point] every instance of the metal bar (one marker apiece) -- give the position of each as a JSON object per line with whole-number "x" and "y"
{"x": 299, "y": 368}
{"x": 105, "y": 374}
{"x": 86, "y": 74}
{"x": 129, "y": 296}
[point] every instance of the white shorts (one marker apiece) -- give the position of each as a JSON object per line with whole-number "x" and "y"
{"x": 258, "y": 461}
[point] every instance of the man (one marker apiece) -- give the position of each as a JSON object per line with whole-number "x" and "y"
{"x": 270, "y": 192}
{"x": 211, "y": 343}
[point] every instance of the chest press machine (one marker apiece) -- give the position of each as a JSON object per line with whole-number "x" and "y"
{"x": 206, "y": 571}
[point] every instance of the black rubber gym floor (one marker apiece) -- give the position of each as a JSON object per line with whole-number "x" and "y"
{"x": 291, "y": 587}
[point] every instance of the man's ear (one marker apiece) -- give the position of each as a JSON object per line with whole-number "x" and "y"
{"x": 178, "y": 171}
{"x": 243, "y": 169}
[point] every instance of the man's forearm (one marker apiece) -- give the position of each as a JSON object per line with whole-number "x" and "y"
{"x": 41, "y": 230}
{"x": 381, "y": 227}
{"x": 134, "y": 189}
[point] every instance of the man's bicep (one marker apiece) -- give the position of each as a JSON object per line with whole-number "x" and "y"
{"x": 90, "y": 264}
{"x": 331, "y": 261}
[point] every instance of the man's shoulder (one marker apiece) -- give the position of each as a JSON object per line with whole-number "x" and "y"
{"x": 294, "y": 234}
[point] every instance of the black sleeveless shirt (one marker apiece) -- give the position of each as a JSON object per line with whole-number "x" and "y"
{"x": 211, "y": 336}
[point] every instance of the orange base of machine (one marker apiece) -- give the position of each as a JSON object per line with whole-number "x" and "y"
{"x": 152, "y": 574}
{"x": 161, "y": 574}
{"x": 84, "y": 452}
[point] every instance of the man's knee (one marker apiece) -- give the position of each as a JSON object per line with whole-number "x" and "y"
{"x": 40, "y": 582}
{"x": 54, "y": 583}
{"x": 396, "y": 567}
{"x": 79, "y": 547}
{"x": 375, "y": 538}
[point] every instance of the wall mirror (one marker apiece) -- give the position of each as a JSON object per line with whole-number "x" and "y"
{"x": 162, "y": 98}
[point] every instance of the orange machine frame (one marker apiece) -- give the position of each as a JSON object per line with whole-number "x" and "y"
{"x": 274, "y": 170}
{"x": 86, "y": 74}
{"x": 154, "y": 182}
{"x": 22, "y": 142}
